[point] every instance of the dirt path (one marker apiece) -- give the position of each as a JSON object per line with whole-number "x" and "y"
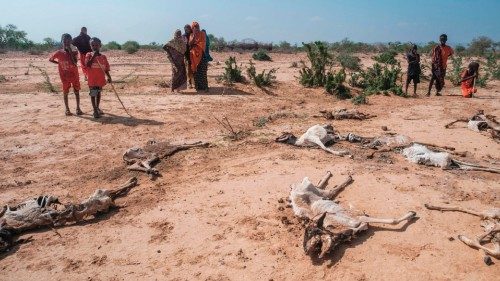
{"x": 214, "y": 214}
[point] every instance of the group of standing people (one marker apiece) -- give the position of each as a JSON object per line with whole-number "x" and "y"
{"x": 440, "y": 55}
{"x": 189, "y": 55}
{"x": 95, "y": 68}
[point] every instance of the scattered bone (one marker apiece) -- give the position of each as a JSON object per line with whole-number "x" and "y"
{"x": 44, "y": 212}
{"x": 143, "y": 159}
{"x": 491, "y": 225}
{"x": 317, "y": 135}
{"x": 420, "y": 154}
{"x": 330, "y": 224}
{"x": 340, "y": 114}
{"x": 481, "y": 122}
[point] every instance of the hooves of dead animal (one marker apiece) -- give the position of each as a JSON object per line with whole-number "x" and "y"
{"x": 491, "y": 225}
{"x": 329, "y": 223}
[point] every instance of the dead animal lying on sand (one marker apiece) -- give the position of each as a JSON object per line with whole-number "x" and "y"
{"x": 143, "y": 159}
{"x": 340, "y": 114}
{"x": 481, "y": 122}
{"x": 420, "y": 154}
{"x": 44, "y": 212}
{"x": 330, "y": 224}
{"x": 490, "y": 223}
{"x": 317, "y": 135}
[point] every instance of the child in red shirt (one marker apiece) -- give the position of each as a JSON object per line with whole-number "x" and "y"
{"x": 66, "y": 60}
{"x": 468, "y": 77}
{"x": 97, "y": 66}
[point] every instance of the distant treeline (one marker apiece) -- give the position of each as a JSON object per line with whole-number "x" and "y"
{"x": 13, "y": 39}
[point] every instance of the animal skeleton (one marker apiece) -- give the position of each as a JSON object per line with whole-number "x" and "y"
{"x": 491, "y": 225}
{"x": 43, "y": 212}
{"x": 143, "y": 159}
{"x": 481, "y": 122}
{"x": 317, "y": 135}
{"x": 330, "y": 224}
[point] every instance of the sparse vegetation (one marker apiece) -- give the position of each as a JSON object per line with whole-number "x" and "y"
{"x": 360, "y": 99}
{"x": 3, "y": 79}
{"x": 131, "y": 47}
{"x": 261, "y": 55}
{"x": 379, "y": 79}
{"x": 263, "y": 79}
{"x": 349, "y": 61}
{"x": 261, "y": 121}
{"x": 47, "y": 84}
{"x": 320, "y": 59}
{"x": 232, "y": 73}
{"x": 113, "y": 45}
{"x": 456, "y": 70}
{"x": 335, "y": 84}
{"x": 387, "y": 57}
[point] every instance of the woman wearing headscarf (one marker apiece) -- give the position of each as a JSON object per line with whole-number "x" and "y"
{"x": 176, "y": 48}
{"x": 197, "y": 44}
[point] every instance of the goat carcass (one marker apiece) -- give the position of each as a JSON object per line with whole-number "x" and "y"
{"x": 330, "y": 224}
{"x": 317, "y": 135}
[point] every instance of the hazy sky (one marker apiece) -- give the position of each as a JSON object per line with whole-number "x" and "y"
{"x": 263, "y": 20}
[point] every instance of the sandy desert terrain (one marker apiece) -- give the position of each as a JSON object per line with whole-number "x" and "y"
{"x": 215, "y": 212}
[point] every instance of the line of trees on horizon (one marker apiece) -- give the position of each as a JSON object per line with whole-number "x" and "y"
{"x": 13, "y": 39}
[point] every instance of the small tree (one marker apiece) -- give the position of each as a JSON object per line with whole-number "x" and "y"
{"x": 131, "y": 47}
{"x": 320, "y": 59}
{"x": 349, "y": 61}
{"x": 231, "y": 72}
{"x": 480, "y": 46}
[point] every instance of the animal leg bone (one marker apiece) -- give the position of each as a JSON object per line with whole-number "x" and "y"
{"x": 324, "y": 181}
{"x": 335, "y": 191}
{"x": 474, "y": 167}
{"x": 410, "y": 215}
{"x": 492, "y": 214}
{"x": 495, "y": 252}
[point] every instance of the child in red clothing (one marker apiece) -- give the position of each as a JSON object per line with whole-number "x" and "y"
{"x": 97, "y": 66}
{"x": 66, "y": 60}
{"x": 468, "y": 77}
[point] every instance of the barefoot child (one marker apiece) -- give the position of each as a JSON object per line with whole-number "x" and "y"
{"x": 66, "y": 59}
{"x": 97, "y": 65}
{"x": 413, "y": 73}
{"x": 468, "y": 78}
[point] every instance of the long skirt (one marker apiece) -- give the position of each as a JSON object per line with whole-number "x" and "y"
{"x": 200, "y": 77}
{"x": 179, "y": 77}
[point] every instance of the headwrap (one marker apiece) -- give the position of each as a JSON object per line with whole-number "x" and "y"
{"x": 177, "y": 43}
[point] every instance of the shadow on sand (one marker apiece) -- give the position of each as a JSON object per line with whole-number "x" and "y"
{"x": 221, "y": 91}
{"x": 109, "y": 118}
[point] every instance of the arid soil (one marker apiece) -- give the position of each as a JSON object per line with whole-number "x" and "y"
{"x": 215, "y": 213}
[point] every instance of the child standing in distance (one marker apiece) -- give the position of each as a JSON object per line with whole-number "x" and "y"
{"x": 97, "y": 67}
{"x": 66, "y": 60}
{"x": 468, "y": 77}
{"x": 413, "y": 59}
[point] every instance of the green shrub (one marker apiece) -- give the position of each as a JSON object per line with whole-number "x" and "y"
{"x": 387, "y": 57}
{"x": 113, "y": 45}
{"x": 482, "y": 80}
{"x": 360, "y": 99}
{"x": 2, "y": 79}
{"x": 334, "y": 85}
{"x": 349, "y": 61}
{"x": 355, "y": 80}
{"x": 261, "y": 55}
{"x": 492, "y": 66}
{"x": 455, "y": 75}
{"x": 320, "y": 59}
{"x": 231, "y": 72}
{"x": 262, "y": 79}
{"x": 131, "y": 47}
{"x": 261, "y": 121}
{"x": 380, "y": 79}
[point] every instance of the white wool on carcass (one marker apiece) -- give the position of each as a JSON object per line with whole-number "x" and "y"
{"x": 398, "y": 140}
{"x": 420, "y": 154}
{"x": 477, "y": 125}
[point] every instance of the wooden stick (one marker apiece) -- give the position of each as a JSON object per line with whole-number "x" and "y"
{"x": 447, "y": 126}
{"x": 114, "y": 90}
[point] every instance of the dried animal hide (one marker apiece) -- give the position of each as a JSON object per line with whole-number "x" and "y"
{"x": 47, "y": 211}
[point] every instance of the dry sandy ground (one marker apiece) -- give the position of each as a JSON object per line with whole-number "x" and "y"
{"x": 214, "y": 214}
